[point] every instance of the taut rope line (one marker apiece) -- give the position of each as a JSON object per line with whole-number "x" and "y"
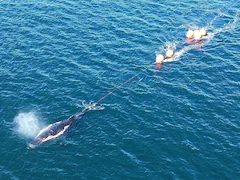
{"x": 147, "y": 67}
{"x": 116, "y": 88}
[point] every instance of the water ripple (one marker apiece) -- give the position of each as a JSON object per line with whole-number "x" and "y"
{"x": 179, "y": 121}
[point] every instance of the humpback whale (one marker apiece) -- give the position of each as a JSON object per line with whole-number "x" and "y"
{"x": 59, "y": 128}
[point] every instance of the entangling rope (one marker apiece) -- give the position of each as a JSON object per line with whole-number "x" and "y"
{"x": 93, "y": 106}
{"x": 116, "y": 88}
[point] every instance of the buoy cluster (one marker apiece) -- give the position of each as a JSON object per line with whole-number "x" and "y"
{"x": 196, "y": 34}
{"x": 160, "y": 58}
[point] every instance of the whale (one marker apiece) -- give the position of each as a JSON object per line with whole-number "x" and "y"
{"x": 58, "y": 129}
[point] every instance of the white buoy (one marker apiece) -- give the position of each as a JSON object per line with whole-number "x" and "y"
{"x": 169, "y": 53}
{"x": 159, "y": 58}
{"x": 189, "y": 34}
{"x": 197, "y": 34}
{"x": 203, "y": 32}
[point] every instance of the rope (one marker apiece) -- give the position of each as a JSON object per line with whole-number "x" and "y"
{"x": 127, "y": 81}
{"x": 147, "y": 67}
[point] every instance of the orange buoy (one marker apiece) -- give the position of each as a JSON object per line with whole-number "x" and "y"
{"x": 169, "y": 53}
{"x": 189, "y": 34}
{"x": 197, "y": 34}
{"x": 203, "y": 32}
{"x": 159, "y": 58}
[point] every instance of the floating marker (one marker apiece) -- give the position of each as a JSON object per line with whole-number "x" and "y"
{"x": 190, "y": 34}
{"x": 203, "y": 32}
{"x": 169, "y": 53}
{"x": 159, "y": 58}
{"x": 197, "y": 34}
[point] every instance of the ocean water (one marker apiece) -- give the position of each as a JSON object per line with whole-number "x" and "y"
{"x": 178, "y": 121}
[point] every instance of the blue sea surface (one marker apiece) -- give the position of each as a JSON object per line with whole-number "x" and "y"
{"x": 178, "y": 121}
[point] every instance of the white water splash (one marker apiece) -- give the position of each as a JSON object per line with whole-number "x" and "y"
{"x": 28, "y": 124}
{"x": 185, "y": 49}
{"x": 167, "y": 46}
{"x": 226, "y": 28}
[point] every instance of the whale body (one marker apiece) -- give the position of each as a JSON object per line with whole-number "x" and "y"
{"x": 55, "y": 130}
